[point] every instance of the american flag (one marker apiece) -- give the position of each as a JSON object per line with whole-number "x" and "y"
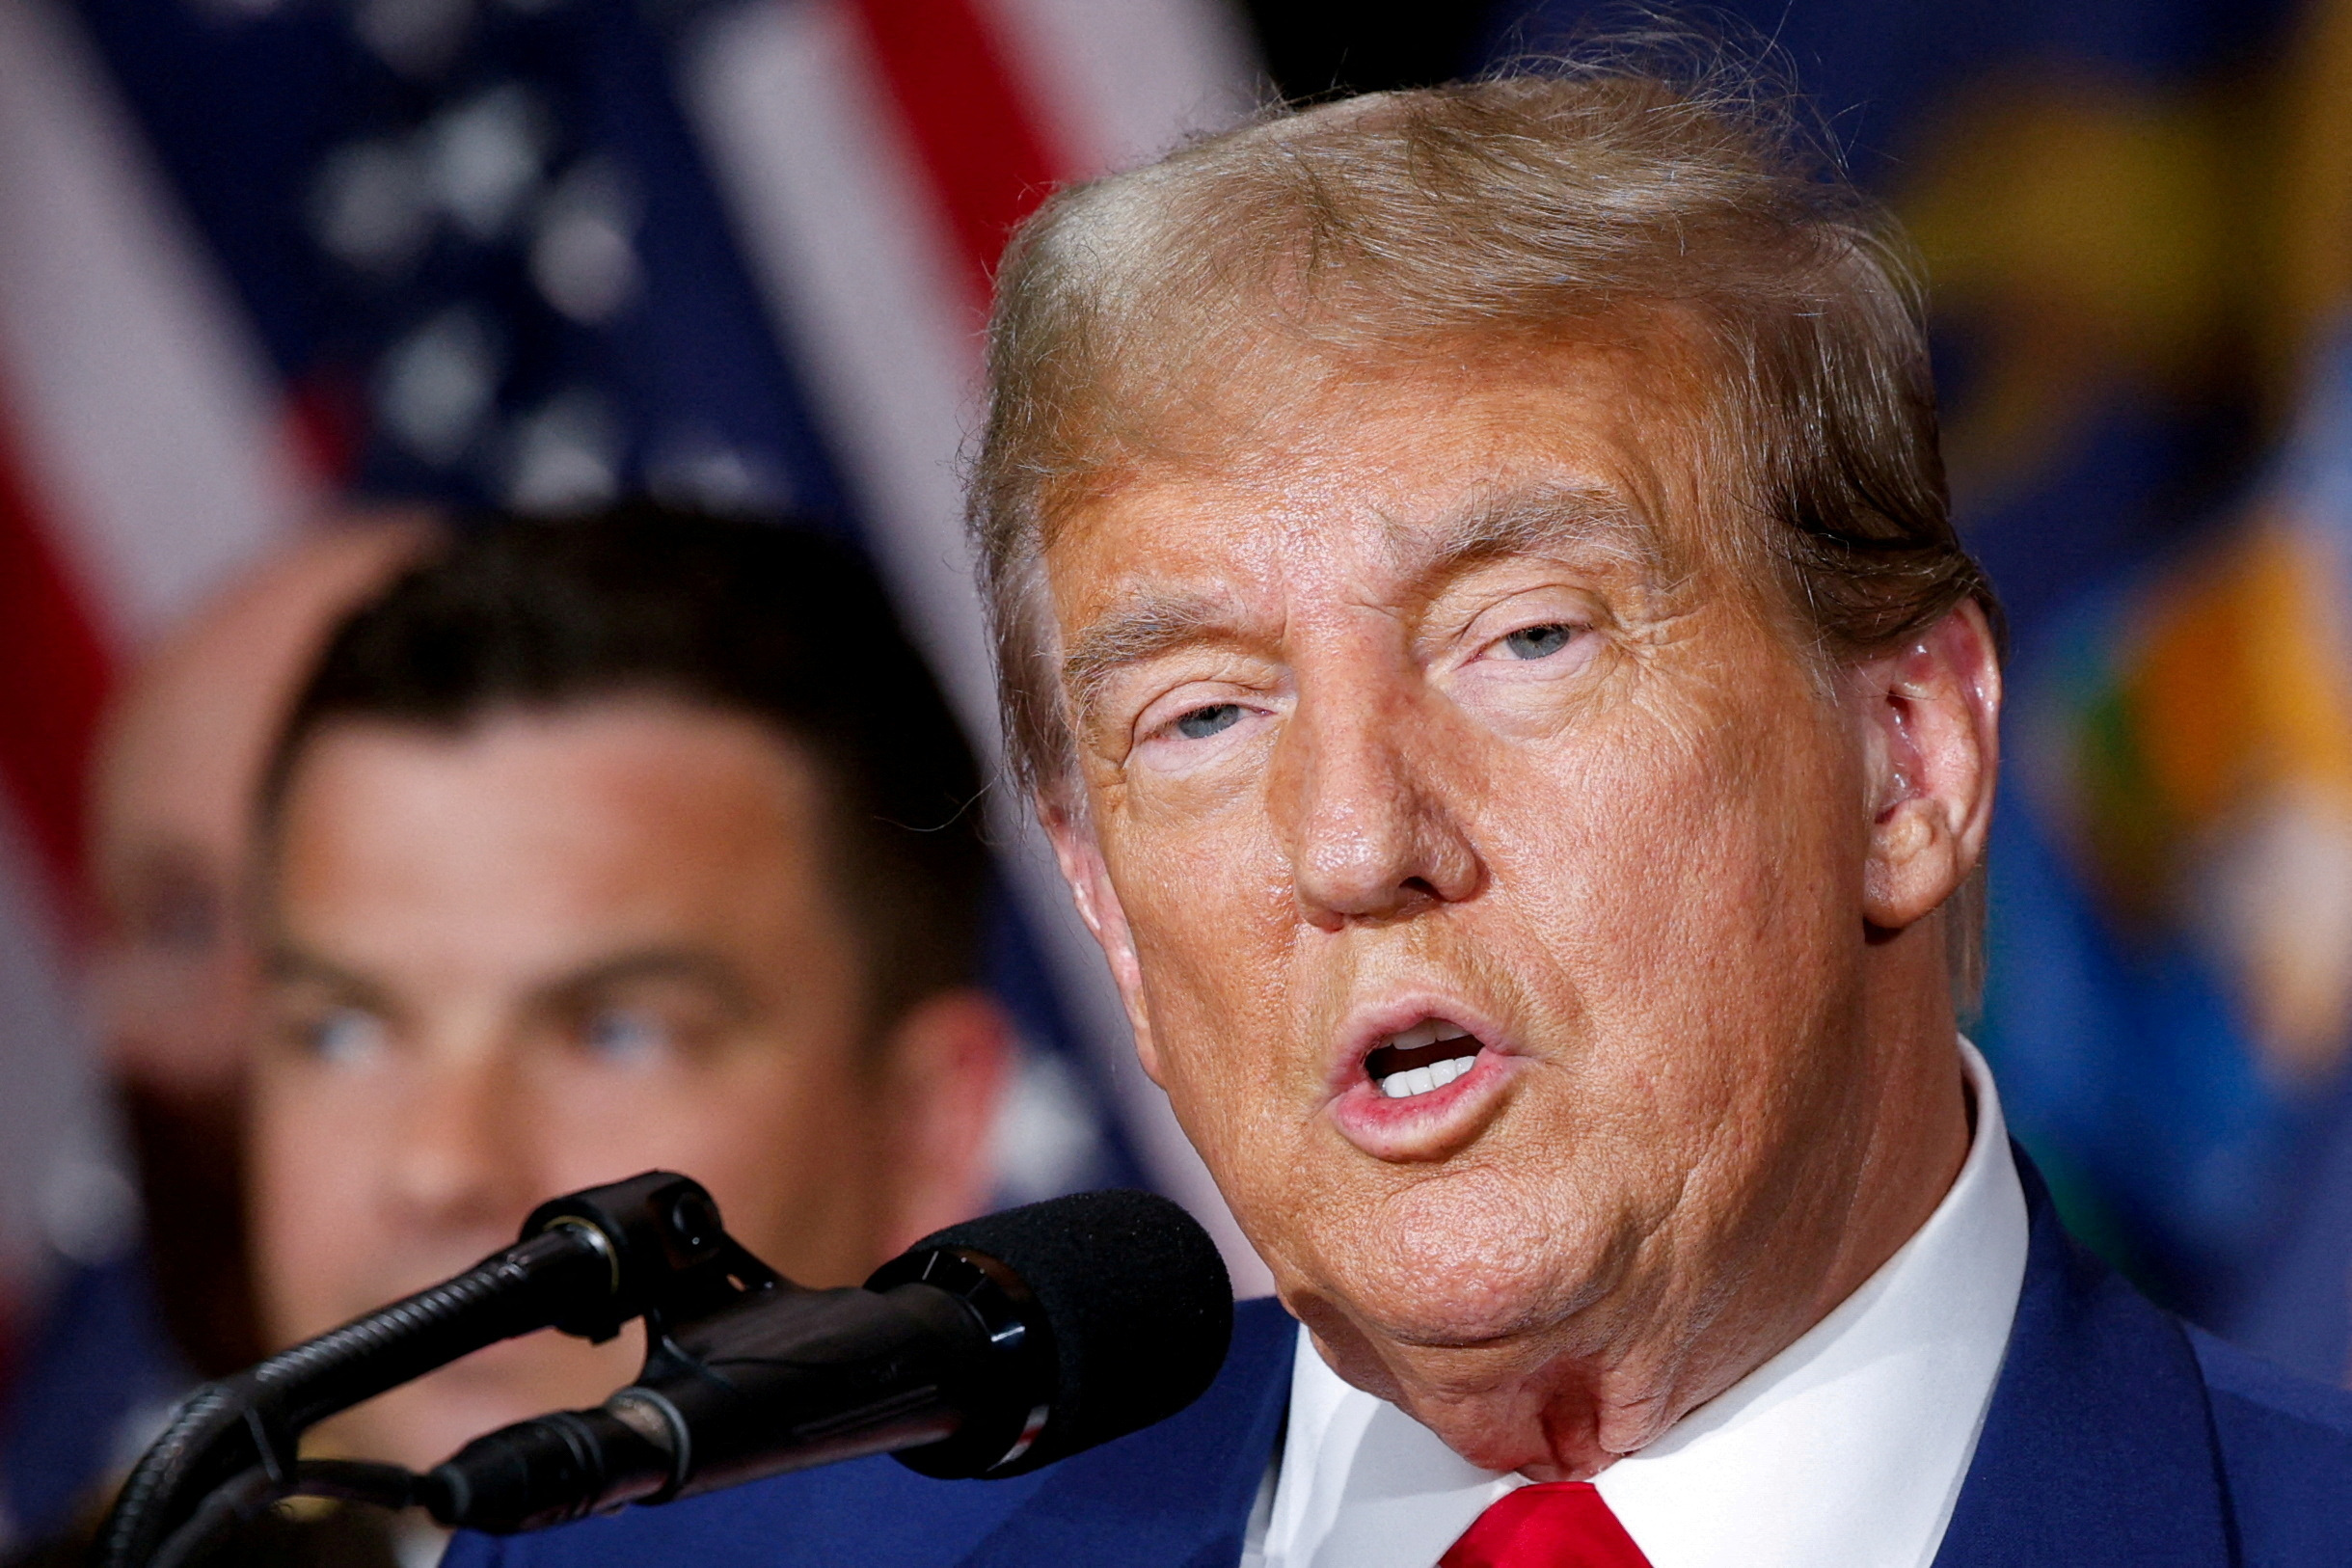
{"x": 256, "y": 254}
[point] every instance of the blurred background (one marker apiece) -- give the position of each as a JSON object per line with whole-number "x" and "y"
{"x": 279, "y": 275}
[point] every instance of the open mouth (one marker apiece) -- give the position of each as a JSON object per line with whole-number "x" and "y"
{"x": 1421, "y": 1060}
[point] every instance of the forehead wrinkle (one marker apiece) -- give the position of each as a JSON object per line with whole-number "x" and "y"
{"x": 1539, "y": 519}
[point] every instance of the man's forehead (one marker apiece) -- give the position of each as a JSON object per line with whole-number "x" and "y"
{"x": 1163, "y": 535}
{"x": 1424, "y": 443}
{"x": 1396, "y": 472}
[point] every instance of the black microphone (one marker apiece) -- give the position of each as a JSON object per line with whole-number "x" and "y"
{"x": 988, "y": 1349}
{"x": 587, "y": 1264}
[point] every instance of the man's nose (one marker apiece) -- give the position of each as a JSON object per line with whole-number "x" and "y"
{"x": 1372, "y": 835}
{"x": 455, "y": 1162}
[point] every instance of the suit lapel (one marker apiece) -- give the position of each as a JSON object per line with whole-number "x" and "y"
{"x": 1173, "y": 1495}
{"x": 2098, "y": 1449}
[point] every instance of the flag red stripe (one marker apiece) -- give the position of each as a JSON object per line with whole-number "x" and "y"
{"x": 987, "y": 159}
{"x": 54, "y": 675}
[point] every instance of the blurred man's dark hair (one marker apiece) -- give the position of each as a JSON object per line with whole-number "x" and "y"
{"x": 773, "y": 622}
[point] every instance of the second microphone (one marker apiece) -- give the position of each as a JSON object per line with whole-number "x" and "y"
{"x": 986, "y": 1349}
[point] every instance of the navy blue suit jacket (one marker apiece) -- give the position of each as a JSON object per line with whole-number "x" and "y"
{"x": 2118, "y": 1438}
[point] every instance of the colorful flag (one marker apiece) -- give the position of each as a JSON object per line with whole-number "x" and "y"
{"x": 257, "y": 254}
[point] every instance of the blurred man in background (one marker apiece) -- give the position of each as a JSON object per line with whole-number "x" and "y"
{"x": 172, "y": 795}
{"x": 637, "y": 841}
{"x": 173, "y": 799}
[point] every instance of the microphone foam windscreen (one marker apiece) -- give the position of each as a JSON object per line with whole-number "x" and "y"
{"x": 1139, "y": 1302}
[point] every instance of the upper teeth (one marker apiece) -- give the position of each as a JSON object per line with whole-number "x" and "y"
{"x": 1429, "y": 1032}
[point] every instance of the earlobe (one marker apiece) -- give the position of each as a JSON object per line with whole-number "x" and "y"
{"x": 1932, "y": 713}
{"x": 1079, "y": 854}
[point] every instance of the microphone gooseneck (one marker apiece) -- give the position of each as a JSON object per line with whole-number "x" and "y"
{"x": 988, "y": 1349}
{"x": 587, "y": 1264}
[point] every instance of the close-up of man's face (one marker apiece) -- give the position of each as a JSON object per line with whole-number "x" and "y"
{"x": 554, "y": 949}
{"x": 1486, "y": 865}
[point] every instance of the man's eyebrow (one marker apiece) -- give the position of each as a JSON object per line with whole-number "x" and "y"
{"x": 1549, "y": 519}
{"x": 284, "y": 963}
{"x": 1154, "y": 622}
{"x": 692, "y": 965}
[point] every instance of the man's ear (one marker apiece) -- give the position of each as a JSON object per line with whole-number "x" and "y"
{"x": 1931, "y": 714}
{"x": 946, "y": 1062}
{"x": 1080, "y": 856}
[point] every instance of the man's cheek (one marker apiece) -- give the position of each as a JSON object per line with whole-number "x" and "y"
{"x": 1206, "y": 1018}
{"x": 1210, "y": 908}
{"x": 1215, "y": 1013}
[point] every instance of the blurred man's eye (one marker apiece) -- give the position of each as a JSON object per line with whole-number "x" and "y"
{"x": 343, "y": 1036}
{"x": 625, "y": 1035}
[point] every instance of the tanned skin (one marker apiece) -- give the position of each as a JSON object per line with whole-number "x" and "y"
{"x": 1463, "y": 694}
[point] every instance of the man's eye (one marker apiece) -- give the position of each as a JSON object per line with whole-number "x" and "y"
{"x": 625, "y": 1035}
{"x": 1202, "y": 723}
{"x": 344, "y": 1037}
{"x": 1539, "y": 642}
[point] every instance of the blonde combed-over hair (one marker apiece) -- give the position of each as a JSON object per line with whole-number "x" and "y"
{"x": 1515, "y": 209}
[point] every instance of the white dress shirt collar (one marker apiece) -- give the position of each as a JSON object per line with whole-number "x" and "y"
{"x": 1849, "y": 1447}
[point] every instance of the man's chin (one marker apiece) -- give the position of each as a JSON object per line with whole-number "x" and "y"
{"x": 1462, "y": 1336}
{"x": 421, "y": 1425}
{"x": 1463, "y": 1265}
{"x": 1454, "y": 1316}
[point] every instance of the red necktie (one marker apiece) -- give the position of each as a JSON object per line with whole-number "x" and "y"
{"x": 1549, "y": 1524}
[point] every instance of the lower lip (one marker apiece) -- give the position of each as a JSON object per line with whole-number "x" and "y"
{"x": 1420, "y": 1125}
